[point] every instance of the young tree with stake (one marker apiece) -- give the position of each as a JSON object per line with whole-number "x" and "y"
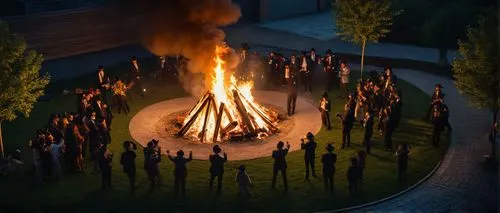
{"x": 20, "y": 81}
{"x": 362, "y": 21}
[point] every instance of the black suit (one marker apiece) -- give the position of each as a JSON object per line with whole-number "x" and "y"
{"x": 217, "y": 170}
{"x": 280, "y": 165}
{"x": 347, "y": 124}
{"x": 127, "y": 160}
{"x": 328, "y": 160}
{"x": 292, "y": 96}
{"x": 309, "y": 156}
{"x": 328, "y": 68}
{"x": 312, "y": 63}
{"x": 368, "y": 133}
{"x": 180, "y": 172}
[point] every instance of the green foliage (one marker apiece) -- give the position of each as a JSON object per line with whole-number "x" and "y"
{"x": 360, "y": 21}
{"x": 476, "y": 69}
{"x": 20, "y": 82}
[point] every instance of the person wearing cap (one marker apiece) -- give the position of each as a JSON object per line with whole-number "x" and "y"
{"x": 292, "y": 95}
{"x": 127, "y": 160}
{"x": 217, "y": 167}
{"x": 328, "y": 68}
{"x": 309, "y": 154}
{"x": 279, "y": 156}
{"x": 324, "y": 108}
{"x": 329, "y": 159}
{"x": 180, "y": 170}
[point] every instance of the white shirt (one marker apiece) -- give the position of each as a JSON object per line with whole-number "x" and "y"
{"x": 313, "y": 56}
{"x": 304, "y": 65}
{"x": 323, "y": 104}
{"x": 344, "y": 75}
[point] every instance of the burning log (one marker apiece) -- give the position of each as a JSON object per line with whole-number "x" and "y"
{"x": 218, "y": 121}
{"x": 199, "y": 101}
{"x": 228, "y": 114}
{"x": 243, "y": 112}
{"x": 186, "y": 127}
{"x": 264, "y": 117}
{"x": 228, "y": 128}
{"x": 207, "y": 114}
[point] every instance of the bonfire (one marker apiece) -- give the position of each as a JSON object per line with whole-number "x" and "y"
{"x": 228, "y": 110}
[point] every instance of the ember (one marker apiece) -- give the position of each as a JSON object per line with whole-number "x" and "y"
{"x": 228, "y": 111}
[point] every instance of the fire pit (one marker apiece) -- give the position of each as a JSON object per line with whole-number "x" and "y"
{"x": 227, "y": 112}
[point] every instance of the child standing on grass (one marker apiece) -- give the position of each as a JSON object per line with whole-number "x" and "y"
{"x": 243, "y": 181}
{"x": 402, "y": 156}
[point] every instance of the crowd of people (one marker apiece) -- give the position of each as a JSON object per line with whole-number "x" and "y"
{"x": 375, "y": 103}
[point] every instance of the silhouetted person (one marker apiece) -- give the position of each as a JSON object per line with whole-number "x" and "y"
{"x": 292, "y": 95}
{"x": 180, "y": 170}
{"x": 309, "y": 154}
{"x": 324, "y": 108}
{"x": 105, "y": 158}
{"x": 217, "y": 167}
{"x": 361, "y": 163}
{"x": 436, "y": 99}
{"x": 280, "y": 163}
{"x": 329, "y": 159}
{"x": 152, "y": 156}
{"x": 388, "y": 129}
{"x": 243, "y": 180}
{"x": 402, "y": 156}
{"x": 127, "y": 160}
{"x": 120, "y": 95}
{"x": 347, "y": 124}
{"x": 438, "y": 123}
{"x": 368, "y": 124}
{"x": 353, "y": 177}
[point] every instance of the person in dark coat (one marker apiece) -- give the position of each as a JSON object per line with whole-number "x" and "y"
{"x": 105, "y": 158}
{"x": 402, "y": 157}
{"x": 305, "y": 72}
{"x": 95, "y": 139}
{"x": 329, "y": 159}
{"x": 279, "y": 156}
{"x": 353, "y": 176}
{"x": 309, "y": 154}
{"x": 313, "y": 61}
{"x": 438, "y": 124}
{"x": 436, "y": 99}
{"x": 388, "y": 128}
{"x": 324, "y": 108}
{"x": 292, "y": 96}
{"x": 127, "y": 160}
{"x": 368, "y": 124}
{"x": 347, "y": 124}
{"x": 328, "y": 69}
{"x": 217, "y": 167}
{"x": 152, "y": 156}
{"x": 180, "y": 170}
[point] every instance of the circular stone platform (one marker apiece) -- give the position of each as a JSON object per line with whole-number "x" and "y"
{"x": 306, "y": 118}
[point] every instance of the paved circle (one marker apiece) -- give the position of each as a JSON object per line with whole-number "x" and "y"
{"x": 143, "y": 124}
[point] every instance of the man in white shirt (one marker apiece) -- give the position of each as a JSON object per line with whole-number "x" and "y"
{"x": 344, "y": 79}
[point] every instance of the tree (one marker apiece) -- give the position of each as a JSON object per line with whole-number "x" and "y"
{"x": 20, "y": 81}
{"x": 475, "y": 68}
{"x": 362, "y": 21}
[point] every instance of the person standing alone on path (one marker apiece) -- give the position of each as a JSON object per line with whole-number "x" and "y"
{"x": 310, "y": 153}
{"x": 344, "y": 79}
{"x": 180, "y": 170}
{"x": 329, "y": 159}
{"x": 324, "y": 108}
{"x": 127, "y": 160}
{"x": 279, "y": 156}
{"x": 217, "y": 167}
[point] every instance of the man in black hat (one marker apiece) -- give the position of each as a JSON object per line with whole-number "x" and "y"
{"x": 180, "y": 170}
{"x": 292, "y": 96}
{"x": 137, "y": 76}
{"x": 273, "y": 67}
{"x": 347, "y": 124}
{"x": 368, "y": 124}
{"x": 304, "y": 72}
{"x": 328, "y": 69}
{"x": 280, "y": 163}
{"x": 329, "y": 159}
{"x": 313, "y": 62}
{"x": 310, "y": 153}
{"x": 105, "y": 157}
{"x": 152, "y": 156}
{"x": 324, "y": 108}
{"x": 436, "y": 99}
{"x": 103, "y": 79}
{"x": 127, "y": 160}
{"x": 217, "y": 167}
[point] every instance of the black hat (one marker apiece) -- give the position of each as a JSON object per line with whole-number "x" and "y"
{"x": 329, "y": 51}
{"x": 280, "y": 144}
{"x": 303, "y": 52}
{"x": 180, "y": 153}
{"x": 100, "y": 67}
{"x": 329, "y": 147}
{"x": 312, "y": 49}
{"x": 216, "y": 149}
{"x": 241, "y": 168}
{"x": 126, "y": 144}
{"x": 439, "y": 86}
{"x": 325, "y": 95}
{"x": 134, "y": 58}
{"x": 310, "y": 136}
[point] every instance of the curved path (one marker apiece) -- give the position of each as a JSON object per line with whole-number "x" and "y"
{"x": 144, "y": 125}
{"x": 461, "y": 183}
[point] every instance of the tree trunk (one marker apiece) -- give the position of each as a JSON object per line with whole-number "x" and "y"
{"x": 443, "y": 57}
{"x": 1, "y": 142}
{"x": 363, "y": 57}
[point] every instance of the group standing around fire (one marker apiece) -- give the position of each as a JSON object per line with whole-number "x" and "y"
{"x": 375, "y": 104}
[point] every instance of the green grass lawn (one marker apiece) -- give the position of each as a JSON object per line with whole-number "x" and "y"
{"x": 81, "y": 192}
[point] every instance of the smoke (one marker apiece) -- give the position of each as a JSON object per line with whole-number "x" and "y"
{"x": 182, "y": 27}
